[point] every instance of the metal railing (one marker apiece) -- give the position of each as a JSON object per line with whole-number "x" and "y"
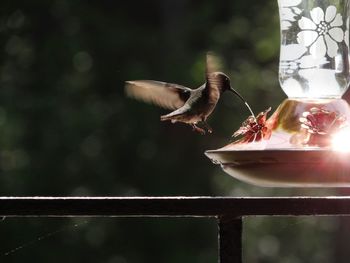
{"x": 229, "y": 212}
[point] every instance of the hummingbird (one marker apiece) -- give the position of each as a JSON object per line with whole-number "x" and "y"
{"x": 190, "y": 106}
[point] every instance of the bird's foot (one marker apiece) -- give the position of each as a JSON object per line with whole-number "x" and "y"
{"x": 207, "y": 127}
{"x": 197, "y": 129}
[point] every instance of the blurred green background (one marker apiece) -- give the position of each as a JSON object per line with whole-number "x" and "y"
{"x": 66, "y": 128}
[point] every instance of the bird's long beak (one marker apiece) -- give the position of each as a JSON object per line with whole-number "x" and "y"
{"x": 235, "y": 92}
{"x": 240, "y": 96}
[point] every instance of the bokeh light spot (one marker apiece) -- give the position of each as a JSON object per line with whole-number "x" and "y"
{"x": 82, "y": 61}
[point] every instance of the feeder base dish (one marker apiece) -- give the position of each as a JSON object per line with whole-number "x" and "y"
{"x": 286, "y": 168}
{"x": 298, "y": 151}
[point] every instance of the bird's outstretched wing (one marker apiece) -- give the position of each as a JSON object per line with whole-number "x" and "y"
{"x": 166, "y": 95}
{"x": 213, "y": 63}
{"x": 213, "y": 66}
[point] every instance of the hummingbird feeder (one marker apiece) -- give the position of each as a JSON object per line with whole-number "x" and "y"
{"x": 306, "y": 141}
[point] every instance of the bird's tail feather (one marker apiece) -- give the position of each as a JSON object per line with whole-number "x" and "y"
{"x": 175, "y": 114}
{"x": 171, "y": 116}
{"x": 165, "y": 118}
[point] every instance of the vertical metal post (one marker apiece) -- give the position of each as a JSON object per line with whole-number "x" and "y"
{"x": 230, "y": 240}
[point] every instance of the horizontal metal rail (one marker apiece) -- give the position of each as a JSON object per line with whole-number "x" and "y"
{"x": 229, "y": 211}
{"x": 173, "y": 206}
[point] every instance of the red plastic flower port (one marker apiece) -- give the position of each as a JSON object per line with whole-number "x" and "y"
{"x": 254, "y": 129}
{"x": 320, "y": 124}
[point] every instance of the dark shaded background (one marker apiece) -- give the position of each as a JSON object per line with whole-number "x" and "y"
{"x": 66, "y": 128}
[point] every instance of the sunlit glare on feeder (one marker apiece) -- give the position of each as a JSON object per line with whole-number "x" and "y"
{"x": 341, "y": 141}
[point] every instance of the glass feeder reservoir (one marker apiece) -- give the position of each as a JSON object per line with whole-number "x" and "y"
{"x": 306, "y": 141}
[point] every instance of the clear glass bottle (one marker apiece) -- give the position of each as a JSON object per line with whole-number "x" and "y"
{"x": 314, "y": 56}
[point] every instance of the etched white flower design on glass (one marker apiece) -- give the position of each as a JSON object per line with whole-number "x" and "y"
{"x": 323, "y": 33}
{"x": 288, "y": 12}
{"x": 314, "y": 58}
